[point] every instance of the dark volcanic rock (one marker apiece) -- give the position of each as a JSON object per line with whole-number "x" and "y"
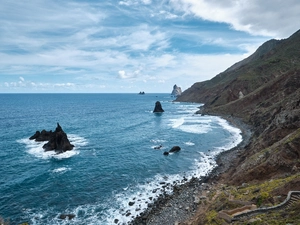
{"x": 158, "y": 108}
{"x": 175, "y": 149}
{"x": 66, "y": 216}
{"x": 57, "y": 140}
{"x": 172, "y": 150}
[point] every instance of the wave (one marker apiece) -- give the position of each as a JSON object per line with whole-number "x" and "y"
{"x": 196, "y": 124}
{"x": 61, "y": 170}
{"x": 175, "y": 123}
{"x": 36, "y": 148}
{"x": 235, "y": 135}
{"x": 189, "y": 143}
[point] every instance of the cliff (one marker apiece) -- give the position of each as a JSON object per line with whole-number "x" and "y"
{"x": 263, "y": 91}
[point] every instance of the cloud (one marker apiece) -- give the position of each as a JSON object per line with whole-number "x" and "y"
{"x": 274, "y": 18}
{"x": 102, "y": 45}
{"x": 135, "y": 2}
{"x": 124, "y": 75}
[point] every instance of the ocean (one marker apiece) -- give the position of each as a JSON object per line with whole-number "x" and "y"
{"x": 114, "y": 172}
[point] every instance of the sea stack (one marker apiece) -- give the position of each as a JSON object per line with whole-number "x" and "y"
{"x": 176, "y": 91}
{"x": 57, "y": 140}
{"x": 158, "y": 108}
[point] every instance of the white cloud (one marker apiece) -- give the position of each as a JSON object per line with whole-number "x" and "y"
{"x": 269, "y": 17}
{"x": 124, "y": 75}
{"x": 135, "y": 2}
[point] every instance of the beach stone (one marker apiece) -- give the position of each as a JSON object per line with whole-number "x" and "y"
{"x": 131, "y": 203}
{"x": 196, "y": 200}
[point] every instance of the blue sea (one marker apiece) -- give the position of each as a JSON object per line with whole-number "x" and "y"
{"x": 114, "y": 162}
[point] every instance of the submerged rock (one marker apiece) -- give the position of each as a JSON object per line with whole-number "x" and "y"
{"x": 158, "y": 108}
{"x": 57, "y": 140}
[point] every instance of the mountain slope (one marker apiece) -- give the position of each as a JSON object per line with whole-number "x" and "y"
{"x": 264, "y": 91}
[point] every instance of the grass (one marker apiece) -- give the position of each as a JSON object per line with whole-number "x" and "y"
{"x": 259, "y": 194}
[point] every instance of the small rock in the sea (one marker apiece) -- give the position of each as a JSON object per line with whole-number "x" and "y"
{"x": 128, "y": 214}
{"x": 116, "y": 221}
{"x": 66, "y": 216}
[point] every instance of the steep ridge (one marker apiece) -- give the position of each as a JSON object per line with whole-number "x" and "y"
{"x": 264, "y": 91}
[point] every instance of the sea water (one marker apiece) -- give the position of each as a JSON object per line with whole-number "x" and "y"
{"x": 114, "y": 172}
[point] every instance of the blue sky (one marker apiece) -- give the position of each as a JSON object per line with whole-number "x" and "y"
{"x": 83, "y": 46}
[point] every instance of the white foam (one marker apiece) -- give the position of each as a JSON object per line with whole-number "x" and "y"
{"x": 236, "y": 135}
{"x": 61, "y": 170}
{"x": 176, "y": 122}
{"x": 36, "y": 148}
{"x": 196, "y": 128}
{"x": 157, "y": 141}
{"x": 189, "y": 143}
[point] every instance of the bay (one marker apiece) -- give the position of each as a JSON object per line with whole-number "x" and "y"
{"x": 114, "y": 161}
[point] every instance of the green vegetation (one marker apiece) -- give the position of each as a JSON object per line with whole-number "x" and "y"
{"x": 231, "y": 197}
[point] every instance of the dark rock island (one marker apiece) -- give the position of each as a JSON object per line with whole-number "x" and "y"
{"x": 158, "y": 108}
{"x": 57, "y": 140}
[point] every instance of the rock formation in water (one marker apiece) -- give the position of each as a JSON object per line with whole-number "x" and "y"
{"x": 176, "y": 91}
{"x": 57, "y": 140}
{"x": 158, "y": 108}
{"x": 173, "y": 150}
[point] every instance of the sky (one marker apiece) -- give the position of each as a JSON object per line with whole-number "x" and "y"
{"x": 128, "y": 46}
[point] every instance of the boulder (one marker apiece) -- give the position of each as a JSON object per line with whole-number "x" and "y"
{"x": 57, "y": 140}
{"x": 172, "y": 150}
{"x": 158, "y": 108}
{"x": 175, "y": 149}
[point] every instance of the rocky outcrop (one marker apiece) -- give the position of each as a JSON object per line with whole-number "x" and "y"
{"x": 158, "y": 108}
{"x": 57, "y": 140}
{"x": 173, "y": 150}
{"x": 176, "y": 91}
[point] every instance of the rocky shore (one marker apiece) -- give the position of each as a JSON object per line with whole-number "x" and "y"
{"x": 186, "y": 200}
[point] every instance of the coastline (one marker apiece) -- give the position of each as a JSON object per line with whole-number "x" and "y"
{"x": 184, "y": 203}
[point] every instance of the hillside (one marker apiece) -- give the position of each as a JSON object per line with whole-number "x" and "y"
{"x": 263, "y": 91}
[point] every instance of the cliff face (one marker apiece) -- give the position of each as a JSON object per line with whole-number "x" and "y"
{"x": 263, "y": 90}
